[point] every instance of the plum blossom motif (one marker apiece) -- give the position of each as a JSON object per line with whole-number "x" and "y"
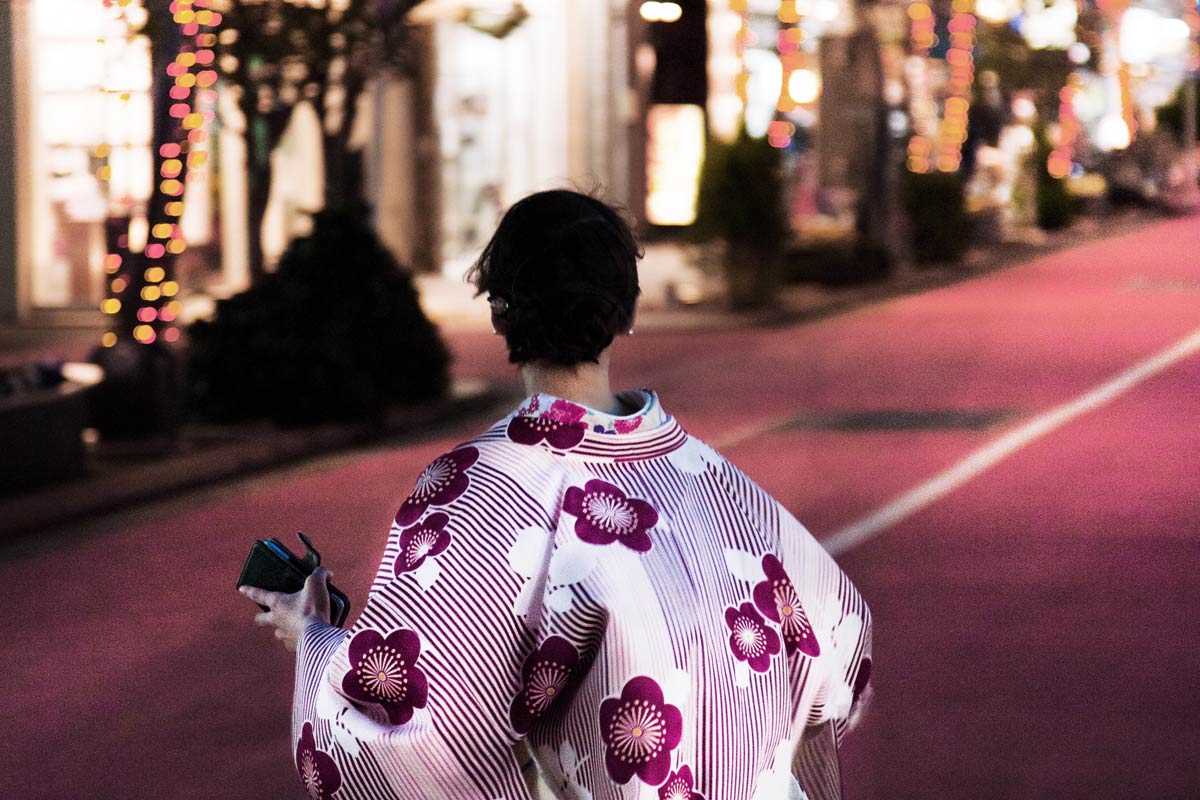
{"x": 640, "y": 729}
{"x": 544, "y": 677}
{"x": 627, "y": 425}
{"x": 561, "y": 426}
{"x": 317, "y": 769}
{"x": 750, "y": 639}
{"x": 384, "y": 672}
{"x": 442, "y": 482}
{"x": 777, "y": 599}
{"x": 679, "y": 786}
{"x": 418, "y": 542}
{"x": 605, "y": 514}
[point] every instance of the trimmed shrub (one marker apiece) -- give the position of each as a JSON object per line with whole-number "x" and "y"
{"x": 741, "y": 203}
{"x": 1054, "y": 204}
{"x": 335, "y": 334}
{"x": 938, "y": 224}
{"x": 848, "y": 264}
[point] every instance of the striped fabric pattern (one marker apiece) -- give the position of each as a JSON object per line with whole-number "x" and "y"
{"x": 613, "y": 597}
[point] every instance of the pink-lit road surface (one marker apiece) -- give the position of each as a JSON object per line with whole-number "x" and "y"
{"x": 1009, "y": 469}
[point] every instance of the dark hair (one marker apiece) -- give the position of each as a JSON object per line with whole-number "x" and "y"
{"x": 561, "y": 274}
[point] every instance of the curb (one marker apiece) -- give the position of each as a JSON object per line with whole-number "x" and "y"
{"x": 240, "y": 452}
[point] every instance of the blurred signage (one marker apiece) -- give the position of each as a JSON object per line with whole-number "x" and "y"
{"x": 674, "y": 155}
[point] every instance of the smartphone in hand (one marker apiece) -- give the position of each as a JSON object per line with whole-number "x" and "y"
{"x": 273, "y": 567}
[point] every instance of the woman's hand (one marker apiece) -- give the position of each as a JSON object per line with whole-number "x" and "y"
{"x": 290, "y": 614}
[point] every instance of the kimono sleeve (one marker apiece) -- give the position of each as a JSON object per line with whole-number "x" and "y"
{"x": 839, "y": 620}
{"x": 824, "y": 622}
{"x": 416, "y": 699}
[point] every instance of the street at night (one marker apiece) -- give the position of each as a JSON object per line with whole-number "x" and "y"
{"x": 1007, "y": 468}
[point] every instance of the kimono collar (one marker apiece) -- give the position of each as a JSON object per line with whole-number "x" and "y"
{"x": 547, "y": 407}
{"x": 568, "y": 428}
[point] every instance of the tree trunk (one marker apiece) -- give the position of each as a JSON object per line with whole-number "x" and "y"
{"x": 260, "y": 142}
{"x": 344, "y": 167}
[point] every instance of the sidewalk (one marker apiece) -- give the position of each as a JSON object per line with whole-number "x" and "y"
{"x": 122, "y": 475}
{"x": 676, "y": 294}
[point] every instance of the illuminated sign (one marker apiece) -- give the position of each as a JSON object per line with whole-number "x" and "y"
{"x": 674, "y": 155}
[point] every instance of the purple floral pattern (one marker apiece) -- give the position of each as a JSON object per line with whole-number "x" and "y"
{"x": 317, "y": 769}
{"x": 605, "y": 514}
{"x": 544, "y": 678}
{"x": 750, "y": 639}
{"x": 561, "y": 426}
{"x": 428, "y": 537}
{"x": 640, "y": 729}
{"x": 442, "y": 482}
{"x": 384, "y": 672}
{"x": 679, "y": 786}
{"x": 777, "y": 599}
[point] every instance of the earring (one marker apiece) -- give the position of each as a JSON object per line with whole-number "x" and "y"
{"x": 629, "y": 332}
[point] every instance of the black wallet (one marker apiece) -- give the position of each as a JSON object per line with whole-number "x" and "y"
{"x": 273, "y": 567}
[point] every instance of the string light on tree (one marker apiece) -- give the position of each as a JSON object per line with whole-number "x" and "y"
{"x": 961, "y": 59}
{"x": 922, "y": 109}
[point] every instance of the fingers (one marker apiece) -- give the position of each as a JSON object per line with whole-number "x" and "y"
{"x": 263, "y": 619}
{"x": 263, "y": 596}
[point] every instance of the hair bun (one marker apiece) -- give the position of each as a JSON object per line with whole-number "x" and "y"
{"x": 567, "y": 266}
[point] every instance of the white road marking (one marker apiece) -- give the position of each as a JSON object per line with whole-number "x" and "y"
{"x": 993, "y": 453}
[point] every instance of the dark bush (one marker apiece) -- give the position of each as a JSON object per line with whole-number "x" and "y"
{"x": 335, "y": 334}
{"x": 843, "y": 264}
{"x": 1055, "y": 208}
{"x": 1171, "y": 115}
{"x": 938, "y": 224}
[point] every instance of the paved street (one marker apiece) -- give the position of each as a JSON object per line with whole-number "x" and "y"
{"x": 1034, "y": 596}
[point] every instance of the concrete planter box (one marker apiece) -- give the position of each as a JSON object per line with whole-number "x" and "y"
{"x": 40, "y": 437}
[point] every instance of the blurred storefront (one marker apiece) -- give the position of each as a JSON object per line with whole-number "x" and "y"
{"x": 507, "y": 98}
{"x": 527, "y": 96}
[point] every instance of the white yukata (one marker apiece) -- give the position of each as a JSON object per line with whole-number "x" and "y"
{"x": 607, "y": 593}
